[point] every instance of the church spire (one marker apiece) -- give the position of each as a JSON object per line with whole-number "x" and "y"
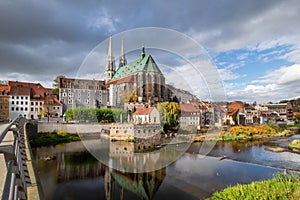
{"x": 122, "y": 58}
{"x": 143, "y": 51}
{"x": 110, "y": 63}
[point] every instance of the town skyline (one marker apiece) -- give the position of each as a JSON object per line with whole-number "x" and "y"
{"x": 255, "y": 46}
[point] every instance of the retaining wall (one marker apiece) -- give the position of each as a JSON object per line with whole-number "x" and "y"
{"x": 72, "y": 128}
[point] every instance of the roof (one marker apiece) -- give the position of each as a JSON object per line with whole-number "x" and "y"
{"x": 146, "y": 64}
{"x": 188, "y": 108}
{"x": 20, "y": 90}
{"x": 143, "y": 111}
{"x": 127, "y": 79}
{"x": 38, "y": 91}
{"x": 5, "y": 89}
{"x": 55, "y": 101}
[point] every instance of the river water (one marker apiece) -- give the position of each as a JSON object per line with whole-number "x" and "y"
{"x": 73, "y": 173}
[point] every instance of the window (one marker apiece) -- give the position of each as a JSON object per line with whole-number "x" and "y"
{"x": 17, "y": 102}
{"x": 12, "y": 102}
{"x": 31, "y": 109}
{"x": 21, "y": 97}
{"x": 21, "y": 102}
{"x": 6, "y": 107}
{"x": 64, "y": 94}
{"x": 1, "y": 107}
{"x": 26, "y": 103}
{"x": 41, "y": 103}
{"x": 25, "y": 108}
{"x": 21, "y": 108}
{"x": 17, "y": 108}
{"x": 26, "y": 98}
{"x": 0, "y": 99}
{"x": 70, "y": 101}
{"x": 13, "y": 97}
{"x": 3, "y": 113}
{"x": 32, "y": 103}
{"x": 36, "y": 103}
{"x": 17, "y": 97}
{"x": 12, "y": 109}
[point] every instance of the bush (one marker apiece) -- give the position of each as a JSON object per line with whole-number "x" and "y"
{"x": 96, "y": 114}
{"x": 279, "y": 187}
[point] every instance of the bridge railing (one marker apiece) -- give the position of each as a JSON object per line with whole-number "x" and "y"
{"x": 11, "y": 189}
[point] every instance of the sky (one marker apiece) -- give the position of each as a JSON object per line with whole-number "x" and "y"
{"x": 254, "y": 45}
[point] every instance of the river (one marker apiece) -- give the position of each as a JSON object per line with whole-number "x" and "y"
{"x": 69, "y": 171}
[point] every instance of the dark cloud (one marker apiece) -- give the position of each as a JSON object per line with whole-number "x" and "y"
{"x": 53, "y": 37}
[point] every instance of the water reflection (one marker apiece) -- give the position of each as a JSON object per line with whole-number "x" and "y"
{"x": 74, "y": 173}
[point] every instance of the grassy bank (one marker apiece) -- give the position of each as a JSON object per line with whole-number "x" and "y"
{"x": 53, "y": 138}
{"x": 244, "y": 133}
{"x": 295, "y": 144}
{"x": 279, "y": 187}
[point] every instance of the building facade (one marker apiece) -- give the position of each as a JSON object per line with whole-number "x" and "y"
{"x": 189, "y": 116}
{"x": 4, "y": 102}
{"x": 146, "y": 116}
{"x": 82, "y": 93}
{"x": 19, "y": 101}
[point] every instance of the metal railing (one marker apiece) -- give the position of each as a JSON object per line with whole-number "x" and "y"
{"x": 14, "y": 167}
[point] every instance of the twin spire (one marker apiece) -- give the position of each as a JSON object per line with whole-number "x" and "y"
{"x": 110, "y": 64}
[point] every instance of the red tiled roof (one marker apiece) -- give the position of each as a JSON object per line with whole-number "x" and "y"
{"x": 5, "y": 88}
{"x": 127, "y": 79}
{"x": 143, "y": 111}
{"x": 188, "y": 108}
{"x": 37, "y": 89}
{"x": 20, "y": 90}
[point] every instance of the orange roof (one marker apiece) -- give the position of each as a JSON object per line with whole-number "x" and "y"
{"x": 143, "y": 111}
{"x": 127, "y": 79}
{"x": 5, "y": 88}
{"x": 188, "y": 108}
{"x": 37, "y": 89}
{"x": 20, "y": 90}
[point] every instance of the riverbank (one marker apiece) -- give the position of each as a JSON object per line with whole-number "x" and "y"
{"x": 295, "y": 145}
{"x": 53, "y": 138}
{"x": 244, "y": 133}
{"x": 279, "y": 187}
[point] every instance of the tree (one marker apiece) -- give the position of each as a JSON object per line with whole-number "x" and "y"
{"x": 168, "y": 115}
{"x": 56, "y": 85}
{"x": 297, "y": 117}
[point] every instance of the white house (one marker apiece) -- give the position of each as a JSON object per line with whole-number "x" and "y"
{"x": 189, "y": 116}
{"x": 19, "y": 102}
{"x": 146, "y": 116}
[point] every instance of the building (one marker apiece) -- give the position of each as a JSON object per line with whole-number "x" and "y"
{"x": 4, "y": 102}
{"x": 146, "y": 116}
{"x": 140, "y": 80}
{"x": 19, "y": 101}
{"x": 189, "y": 116}
{"x": 30, "y": 100}
{"x": 52, "y": 106}
{"x": 180, "y": 95}
{"x": 82, "y": 93}
{"x": 235, "y": 113}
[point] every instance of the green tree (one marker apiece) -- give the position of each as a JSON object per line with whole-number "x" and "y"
{"x": 168, "y": 115}
{"x": 297, "y": 117}
{"x": 55, "y": 89}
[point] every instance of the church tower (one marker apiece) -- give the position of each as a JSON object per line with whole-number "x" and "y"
{"x": 122, "y": 57}
{"x": 110, "y": 63}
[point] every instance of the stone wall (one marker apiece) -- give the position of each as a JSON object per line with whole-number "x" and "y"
{"x": 72, "y": 128}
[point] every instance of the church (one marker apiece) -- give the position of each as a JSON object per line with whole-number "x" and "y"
{"x": 137, "y": 81}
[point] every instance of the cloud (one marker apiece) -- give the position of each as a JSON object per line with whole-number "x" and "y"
{"x": 279, "y": 84}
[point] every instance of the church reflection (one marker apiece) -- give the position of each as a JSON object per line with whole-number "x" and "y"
{"x": 117, "y": 184}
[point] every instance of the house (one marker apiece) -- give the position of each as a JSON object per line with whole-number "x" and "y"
{"x": 148, "y": 115}
{"x": 4, "y": 102}
{"x": 235, "y": 113}
{"x": 189, "y": 116}
{"x": 31, "y": 100}
{"x": 19, "y": 101}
